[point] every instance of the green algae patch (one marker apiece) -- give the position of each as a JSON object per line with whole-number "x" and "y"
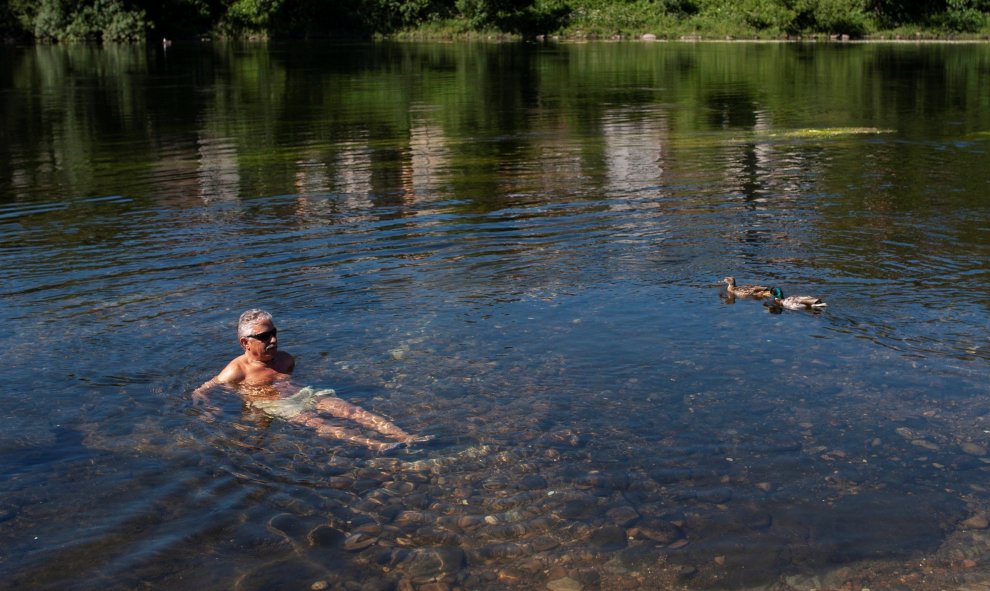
{"x": 810, "y": 134}
{"x": 824, "y": 133}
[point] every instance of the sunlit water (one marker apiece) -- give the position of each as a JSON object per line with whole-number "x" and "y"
{"x": 518, "y": 250}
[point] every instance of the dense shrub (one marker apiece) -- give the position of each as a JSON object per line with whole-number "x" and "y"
{"x": 251, "y": 16}
{"x": 768, "y": 15}
{"x": 837, "y": 16}
{"x": 963, "y": 16}
{"x": 97, "y": 20}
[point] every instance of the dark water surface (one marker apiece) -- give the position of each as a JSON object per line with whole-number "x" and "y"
{"x": 518, "y": 250}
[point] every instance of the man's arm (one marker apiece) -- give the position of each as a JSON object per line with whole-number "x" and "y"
{"x": 232, "y": 374}
{"x": 199, "y": 395}
{"x": 208, "y": 411}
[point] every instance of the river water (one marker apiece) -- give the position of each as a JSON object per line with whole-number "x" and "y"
{"x": 518, "y": 250}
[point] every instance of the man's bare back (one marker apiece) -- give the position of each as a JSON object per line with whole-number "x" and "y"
{"x": 263, "y": 365}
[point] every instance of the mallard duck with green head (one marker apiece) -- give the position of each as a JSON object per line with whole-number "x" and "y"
{"x": 746, "y": 291}
{"x": 794, "y": 302}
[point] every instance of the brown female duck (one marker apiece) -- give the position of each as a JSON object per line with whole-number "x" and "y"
{"x": 746, "y": 291}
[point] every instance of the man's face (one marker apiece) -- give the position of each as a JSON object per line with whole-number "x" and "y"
{"x": 263, "y": 342}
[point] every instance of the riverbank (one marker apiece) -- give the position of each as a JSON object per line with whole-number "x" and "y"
{"x": 583, "y": 37}
{"x": 458, "y": 31}
{"x": 758, "y": 20}
{"x": 487, "y": 20}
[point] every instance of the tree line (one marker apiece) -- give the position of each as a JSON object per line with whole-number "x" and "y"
{"x": 141, "y": 20}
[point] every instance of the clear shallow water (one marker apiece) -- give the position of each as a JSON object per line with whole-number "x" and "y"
{"x": 517, "y": 250}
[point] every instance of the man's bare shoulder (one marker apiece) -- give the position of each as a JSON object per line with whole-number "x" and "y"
{"x": 235, "y": 372}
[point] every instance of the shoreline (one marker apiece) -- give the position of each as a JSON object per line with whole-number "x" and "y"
{"x": 475, "y": 37}
{"x": 685, "y": 38}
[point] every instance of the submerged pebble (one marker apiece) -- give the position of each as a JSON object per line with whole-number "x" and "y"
{"x": 358, "y": 542}
{"x": 979, "y": 521}
{"x": 424, "y": 565}
{"x": 973, "y": 449}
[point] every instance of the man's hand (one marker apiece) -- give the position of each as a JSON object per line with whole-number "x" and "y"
{"x": 202, "y": 401}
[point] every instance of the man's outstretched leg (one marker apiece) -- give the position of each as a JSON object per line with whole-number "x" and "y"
{"x": 330, "y": 431}
{"x": 345, "y": 410}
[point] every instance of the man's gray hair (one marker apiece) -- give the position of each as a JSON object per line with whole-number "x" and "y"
{"x": 249, "y": 319}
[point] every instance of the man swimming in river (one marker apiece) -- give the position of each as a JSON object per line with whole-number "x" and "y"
{"x": 261, "y": 376}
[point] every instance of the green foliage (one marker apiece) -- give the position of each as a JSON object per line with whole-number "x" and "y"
{"x": 635, "y": 17}
{"x": 832, "y": 16}
{"x": 477, "y": 13}
{"x": 97, "y": 20}
{"x": 131, "y": 20}
{"x": 109, "y": 20}
{"x": 960, "y": 16}
{"x": 964, "y": 16}
{"x": 768, "y": 15}
{"x": 797, "y": 17}
{"x": 49, "y": 22}
{"x": 396, "y": 14}
{"x": 506, "y": 15}
{"x": 251, "y": 16}
{"x": 534, "y": 19}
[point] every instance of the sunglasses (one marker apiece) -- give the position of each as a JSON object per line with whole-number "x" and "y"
{"x": 264, "y": 336}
